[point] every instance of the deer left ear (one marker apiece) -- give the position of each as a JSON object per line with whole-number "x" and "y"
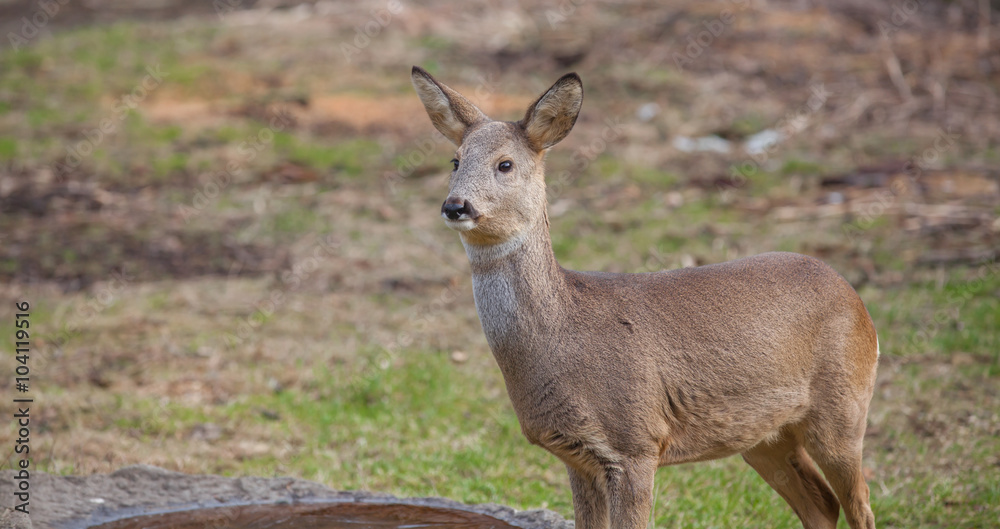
{"x": 550, "y": 118}
{"x": 450, "y": 113}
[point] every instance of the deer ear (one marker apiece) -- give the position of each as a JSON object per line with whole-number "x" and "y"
{"x": 550, "y": 118}
{"x": 450, "y": 113}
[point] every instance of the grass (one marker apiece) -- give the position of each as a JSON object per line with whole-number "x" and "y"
{"x": 415, "y": 423}
{"x": 352, "y": 377}
{"x": 412, "y": 422}
{"x": 349, "y": 158}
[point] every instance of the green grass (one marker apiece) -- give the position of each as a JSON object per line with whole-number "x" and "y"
{"x": 8, "y": 148}
{"x": 655, "y": 178}
{"x": 801, "y": 167}
{"x": 748, "y": 124}
{"x": 960, "y": 315}
{"x": 348, "y": 158}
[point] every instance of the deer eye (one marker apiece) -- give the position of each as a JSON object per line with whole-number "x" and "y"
{"x": 505, "y": 166}
{"x": 454, "y": 163}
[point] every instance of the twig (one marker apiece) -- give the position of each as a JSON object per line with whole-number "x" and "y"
{"x": 964, "y": 256}
{"x": 983, "y": 38}
{"x": 896, "y": 75}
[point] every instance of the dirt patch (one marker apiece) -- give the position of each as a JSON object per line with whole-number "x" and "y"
{"x": 79, "y": 254}
{"x": 93, "y": 232}
{"x": 335, "y": 115}
{"x": 191, "y": 113}
{"x": 76, "y": 502}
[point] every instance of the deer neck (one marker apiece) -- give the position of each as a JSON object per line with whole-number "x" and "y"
{"x": 517, "y": 286}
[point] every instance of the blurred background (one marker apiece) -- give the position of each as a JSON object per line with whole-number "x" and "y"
{"x": 225, "y": 217}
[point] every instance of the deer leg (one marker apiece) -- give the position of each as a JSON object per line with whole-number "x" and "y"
{"x": 590, "y": 500}
{"x": 630, "y": 493}
{"x": 787, "y": 468}
{"x": 839, "y": 455}
{"x": 847, "y": 480}
{"x": 834, "y": 438}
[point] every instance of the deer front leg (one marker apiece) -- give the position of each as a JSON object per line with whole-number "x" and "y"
{"x": 630, "y": 493}
{"x": 590, "y": 500}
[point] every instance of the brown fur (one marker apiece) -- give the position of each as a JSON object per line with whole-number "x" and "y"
{"x": 772, "y": 357}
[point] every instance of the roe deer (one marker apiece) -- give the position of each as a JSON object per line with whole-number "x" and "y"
{"x": 772, "y": 357}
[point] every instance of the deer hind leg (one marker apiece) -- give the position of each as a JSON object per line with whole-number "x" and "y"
{"x": 839, "y": 455}
{"x": 846, "y": 478}
{"x": 787, "y": 468}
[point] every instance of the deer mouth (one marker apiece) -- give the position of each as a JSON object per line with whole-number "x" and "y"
{"x": 463, "y": 223}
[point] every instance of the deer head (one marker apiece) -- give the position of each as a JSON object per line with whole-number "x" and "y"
{"x": 497, "y": 188}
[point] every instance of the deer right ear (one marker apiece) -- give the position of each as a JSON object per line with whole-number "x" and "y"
{"x": 450, "y": 113}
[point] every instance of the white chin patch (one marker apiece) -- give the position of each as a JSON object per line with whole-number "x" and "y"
{"x": 460, "y": 224}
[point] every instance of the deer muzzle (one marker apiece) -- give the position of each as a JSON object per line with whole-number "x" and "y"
{"x": 458, "y": 209}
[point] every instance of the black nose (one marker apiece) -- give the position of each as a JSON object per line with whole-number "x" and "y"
{"x": 454, "y": 208}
